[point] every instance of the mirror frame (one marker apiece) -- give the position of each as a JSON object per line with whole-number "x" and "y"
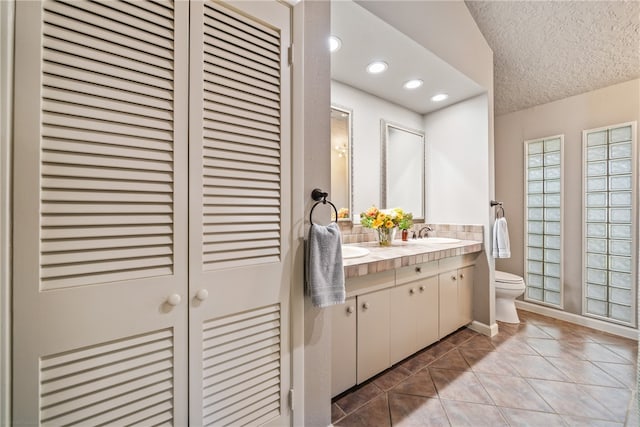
{"x": 349, "y": 112}
{"x": 384, "y": 184}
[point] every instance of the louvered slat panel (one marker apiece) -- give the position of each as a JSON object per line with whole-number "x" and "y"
{"x": 51, "y": 170}
{"x": 81, "y": 76}
{"x": 74, "y": 39}
{"x": 107, "y": 34}
{"x": 157, "y": 7}
{"x": 241, "y": 361}
{"x": 99, "y": 14}
{"x": 104, "y": 383}
{"x": 68, "y": 88}
{"x": 95, "y": 244}
{"x": 114, "y": 150}
{"x": 93, "y": 101}
{"x": 107, "y": 144}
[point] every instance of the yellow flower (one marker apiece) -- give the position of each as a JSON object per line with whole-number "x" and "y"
{"x": 377, "y": 223}
{"x": 389, "y": 224}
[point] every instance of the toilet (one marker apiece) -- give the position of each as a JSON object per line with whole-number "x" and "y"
{"x": 508, "y": 287}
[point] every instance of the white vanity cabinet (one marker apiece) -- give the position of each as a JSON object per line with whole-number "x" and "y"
{"x": 413, "y": 310}
{"x": 465, "y": 295}
{"x": 343, "y": 351}
{"x": 455, "y": 296}
{"x": 373, "y": 334}
{"x": 390, "y": 315}
{"x": 448, "y": 303}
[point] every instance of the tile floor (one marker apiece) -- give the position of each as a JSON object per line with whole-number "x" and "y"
{"x": 542, "y": 372}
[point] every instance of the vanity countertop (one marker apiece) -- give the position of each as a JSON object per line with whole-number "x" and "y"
{"x": 403, "y": 254}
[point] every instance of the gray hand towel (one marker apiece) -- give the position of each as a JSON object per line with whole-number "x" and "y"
{"x": 325, "y": 273}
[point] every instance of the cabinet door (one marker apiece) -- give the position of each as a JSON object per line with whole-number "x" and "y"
{"x": 448, "y": 297}
{"x": 427, "y": 312}
{"x": 100, "y": 226}
{"x": 465, "y": 295}
{"x": 240, "y": 213}
{"x": 373, "y": 334}
{"x": 402, "y": 321}
{"x": 343, "y": 346}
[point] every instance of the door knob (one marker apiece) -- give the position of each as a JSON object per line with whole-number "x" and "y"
{"x": 453, "y": 278}
{"x": 365, "y": 305}
{"x": 174, "y": 299}
{"x": 202, "y": 294}
{"x": 349, "y": 309}
{"x": 422, "y": 288}
{"x": 462, "y": 276}
{"x": 412, "y": 291}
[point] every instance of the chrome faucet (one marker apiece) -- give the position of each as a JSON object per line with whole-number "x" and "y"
{"x": 427, "y": 228}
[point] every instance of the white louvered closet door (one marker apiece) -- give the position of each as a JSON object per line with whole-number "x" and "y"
{"x": 100, "y": 213}
{"x": 240, "y": 204}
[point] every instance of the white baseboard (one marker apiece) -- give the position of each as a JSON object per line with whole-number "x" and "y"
{"x": 484, "y": 329}
{"x": 611, "y": 328}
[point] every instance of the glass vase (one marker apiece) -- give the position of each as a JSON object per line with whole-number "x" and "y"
{"x": 386, "y": 235}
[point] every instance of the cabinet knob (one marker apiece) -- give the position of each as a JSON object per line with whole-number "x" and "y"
{"x": 453, "y": 278}
{"x": 412, "y": 291}
{"x": 350, "y": 309}
{"x": 202, "y": 294}
{"x": 365, "y": 305}
{"x": 174, "y": 299}
{"x": 422, "y": 288}
{"x": 418, "y": 269}
{"x": 461, "y": 276}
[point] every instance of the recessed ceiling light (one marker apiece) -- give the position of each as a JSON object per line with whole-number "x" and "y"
{"x": 377, "y": 67}
{"x": 413, "y": 84}
{"x": 439, "y": 97}
{"x": 334, "y": 43}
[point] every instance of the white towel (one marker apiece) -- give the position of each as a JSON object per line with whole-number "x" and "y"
{"x": 325, "y": 273}
{"x": 501, "y": 239}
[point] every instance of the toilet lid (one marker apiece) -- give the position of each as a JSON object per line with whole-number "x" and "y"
{"x": 508, "y": 278}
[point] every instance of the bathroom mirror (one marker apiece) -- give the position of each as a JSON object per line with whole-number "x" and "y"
{"x": 341, "y": 161}
{"x": 403, "y": 163}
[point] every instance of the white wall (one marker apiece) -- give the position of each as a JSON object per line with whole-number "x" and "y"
{"x": 570, "y": 116}
{"x": 459, "y": 184}
{"x": 315, "y": 120}
{"x": 458, "y": 159}
{"x": 6, "y": 102}
{"x": 368, "y": 110}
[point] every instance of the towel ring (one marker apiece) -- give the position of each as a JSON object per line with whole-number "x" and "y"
{"x": 321, "y": 197}
{"x": 500, "y": 210}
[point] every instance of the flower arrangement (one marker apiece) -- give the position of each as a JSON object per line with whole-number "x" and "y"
{"x": 406, "y": 220}
{"x": 378, "y": 218}
{"x": 385, "y": 222}
{"x": 343, "y": 213}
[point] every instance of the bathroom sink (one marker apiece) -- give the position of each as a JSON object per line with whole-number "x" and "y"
{"x": 434, "y": 240}
{"x": 353, "y": 252}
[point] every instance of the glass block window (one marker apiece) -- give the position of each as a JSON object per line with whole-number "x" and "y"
{"x": 543, "y": 219}
{"x": 609, "y": 249}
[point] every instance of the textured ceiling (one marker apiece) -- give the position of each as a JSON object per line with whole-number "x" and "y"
{"x": 549, "y": 50}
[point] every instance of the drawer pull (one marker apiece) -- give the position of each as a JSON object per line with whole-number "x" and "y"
{"x": 453, "y": 278}
{"x": 350, "y": 309}
{"x": 418, "y": 269}
{"x": 422, "y": 288}
{"x": 461, "y": 276}
{"x": 365, "y": 306}
{"x": 412, "y": 291}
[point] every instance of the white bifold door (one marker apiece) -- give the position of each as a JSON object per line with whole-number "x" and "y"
{"x": 151, "y": 213}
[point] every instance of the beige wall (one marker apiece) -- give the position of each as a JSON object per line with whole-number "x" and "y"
{"x": 570, "y": 116}
{"x": 317, "y": 174}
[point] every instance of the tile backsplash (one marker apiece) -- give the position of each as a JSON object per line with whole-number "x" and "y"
{"x": 355, "y": 233}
